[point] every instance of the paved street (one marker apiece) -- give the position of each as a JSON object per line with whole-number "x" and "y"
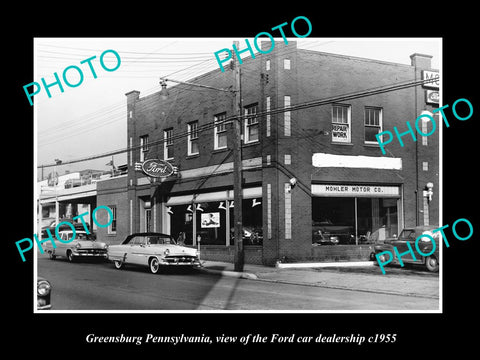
{"x": 99, "y": 286}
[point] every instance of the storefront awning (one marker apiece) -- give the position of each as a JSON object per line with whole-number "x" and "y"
{"x": 248, "y": 193}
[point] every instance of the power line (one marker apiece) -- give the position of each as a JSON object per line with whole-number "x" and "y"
{"x": 301, "y": 106}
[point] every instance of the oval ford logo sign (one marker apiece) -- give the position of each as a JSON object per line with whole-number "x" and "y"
{"x": 157, "y": 168}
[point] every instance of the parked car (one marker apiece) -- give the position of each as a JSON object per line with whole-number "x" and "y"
{"x": 83, "y": 246}
{"x": 409, "y": 235}
{"x": 321, "y": 238}
{"x": 250, "y": 236}
{"x": 153, "y": 250}
{"x": 44, "y": 289}
{"x": 327, "y": 233}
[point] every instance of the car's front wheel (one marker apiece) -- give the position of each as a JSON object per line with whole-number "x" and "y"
{"x": 431, "y": 263}
{"x": 154, "y": 265}
{"x": 118, "y": 264}
{"x": 70, "y": 256}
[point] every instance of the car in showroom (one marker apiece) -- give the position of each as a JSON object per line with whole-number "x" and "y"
{"x": 152, "y": 250}
{"x": 327, "y": 233}
{"x": 409, "y": 236}
{"x": 82, "y": 246}
{"x": 251, "y": 235}
{"x": 44, "y": 290}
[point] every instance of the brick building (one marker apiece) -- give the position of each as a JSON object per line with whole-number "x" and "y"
{"x": 345, "y": 191}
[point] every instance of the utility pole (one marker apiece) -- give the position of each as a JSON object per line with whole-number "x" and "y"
{"x": 237, "y": 168}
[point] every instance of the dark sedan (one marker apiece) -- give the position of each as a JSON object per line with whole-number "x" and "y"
{"x": 425, "y": 246}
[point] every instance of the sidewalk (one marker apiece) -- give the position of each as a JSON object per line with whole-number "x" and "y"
{"x": 373, "y": 282}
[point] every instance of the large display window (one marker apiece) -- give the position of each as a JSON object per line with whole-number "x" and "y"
{"x": 212, "y": 222}
{"x": 352, "y": 220}
{"x": 252, "y": 227}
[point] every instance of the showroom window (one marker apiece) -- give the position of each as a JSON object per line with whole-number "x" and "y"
{"x": 214, "y": 220}
{"x": 353, "y": 221}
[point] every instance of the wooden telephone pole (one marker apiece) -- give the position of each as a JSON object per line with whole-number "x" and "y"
{"x": 237, "y": 167}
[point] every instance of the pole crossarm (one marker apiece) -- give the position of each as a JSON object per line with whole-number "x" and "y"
{"x": 199, "y": 85}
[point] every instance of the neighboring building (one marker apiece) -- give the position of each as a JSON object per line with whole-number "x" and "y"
{"x": 73, "y": 194}
{"x": 112, "y": 192}
{"x": 345, "y": 188}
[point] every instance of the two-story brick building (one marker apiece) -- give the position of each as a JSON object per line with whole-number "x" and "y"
{"x": 345, "y": 192}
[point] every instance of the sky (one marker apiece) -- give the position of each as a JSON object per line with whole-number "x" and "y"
{"x": 91, "y": 119}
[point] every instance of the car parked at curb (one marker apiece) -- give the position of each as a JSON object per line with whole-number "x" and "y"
{"x": 44, "y": 290}
{"x": 409, "y": 235}
{"x": 152, "y": 250}
{"x": 82, "y": 246}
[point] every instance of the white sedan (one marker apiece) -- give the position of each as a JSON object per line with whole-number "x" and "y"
{"x": 152, "y": 250}
{"x": 83, "y": 245}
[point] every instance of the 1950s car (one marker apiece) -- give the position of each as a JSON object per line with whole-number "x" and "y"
{"x": 409, "y": 235}
{"x": 44, "y": 289}
{"x": 153, "y": 250}
{"x": 82, "y": 246}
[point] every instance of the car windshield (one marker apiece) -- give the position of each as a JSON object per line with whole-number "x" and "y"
{"x": 159, "y": 240}
{"x": 84, "y": 236}
{"x": 407, "y": 234}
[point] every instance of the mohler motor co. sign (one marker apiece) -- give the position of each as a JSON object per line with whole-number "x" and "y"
{"x": 156, "y": 168}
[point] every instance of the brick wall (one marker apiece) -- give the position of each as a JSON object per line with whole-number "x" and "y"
{"x": 289, "y": 140}
{"x": 113, "y": 192}
{"x": 253, "y": 254}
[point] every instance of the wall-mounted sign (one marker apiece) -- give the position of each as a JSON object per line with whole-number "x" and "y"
{"x": 432, "y": 97}
{"x": 355, "y": 190}
{"x": 434, "y": 76}
{"x": 340, "y": 133}
{"x": 157, "y": 168}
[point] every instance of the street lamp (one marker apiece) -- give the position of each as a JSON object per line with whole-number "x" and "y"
{"x": 237, "y": 158}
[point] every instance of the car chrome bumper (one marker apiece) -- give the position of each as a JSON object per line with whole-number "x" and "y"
{"x": 179, "y": 262}
{"x": 87, "y": 254}
{"x": 43, "y": 305}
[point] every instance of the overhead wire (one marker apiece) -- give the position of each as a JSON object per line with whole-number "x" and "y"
{"x": 280, "y": 109}
{"x": 202, "y": 66}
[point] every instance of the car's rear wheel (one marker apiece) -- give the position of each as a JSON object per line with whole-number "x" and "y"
{"x": 70, "y": 256}
{"x": 154, "y": 265}
{"x": 51, "y": 255}
{"x": 118, "y": 264}
{"x": 431, "y": 263}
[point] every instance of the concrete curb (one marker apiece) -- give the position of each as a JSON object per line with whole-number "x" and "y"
{"x": 338, "y": 287}
{"x": 323, "y": 264}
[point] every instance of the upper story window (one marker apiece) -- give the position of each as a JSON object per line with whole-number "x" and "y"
{"x": 373, "y": 124}
{"x": 168, "y": 144}
{"x": 341, "y": 123}
{"x": 143, "y": 147}
{"x": 192, "y": 140}
{"x": 220, "y": 131}
{"x": 251, "y": 126}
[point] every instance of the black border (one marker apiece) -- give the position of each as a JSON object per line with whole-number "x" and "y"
{"x": 416, "y": 333}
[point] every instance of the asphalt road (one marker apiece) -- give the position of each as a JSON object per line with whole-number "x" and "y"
{"x": 99, "y": 286}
